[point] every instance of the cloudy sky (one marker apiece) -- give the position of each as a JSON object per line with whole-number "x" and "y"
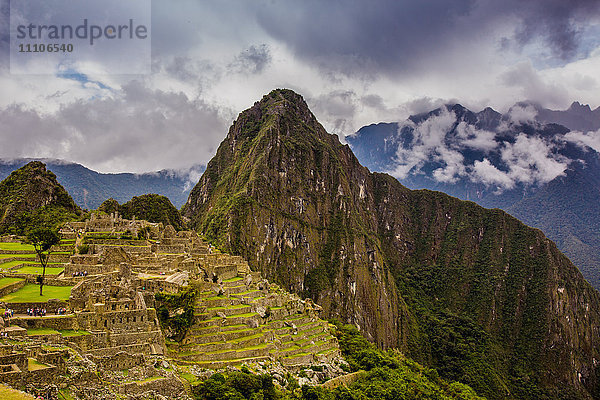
{"x": 355, "y": 62}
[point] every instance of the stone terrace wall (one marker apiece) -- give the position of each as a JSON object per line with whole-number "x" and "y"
{"x": 120, "y": 361}
{"x": 13, "y": 287}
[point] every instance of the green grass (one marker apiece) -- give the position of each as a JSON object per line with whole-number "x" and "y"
{"x": 245, "y": 293}
{"x": 189, "y": 377}
{"x": 30, "y": 293}
{"x": 152, "y": 378}
{"x": 7, "y": 393}
{"x": 38, "y": 270}
{"x": 34, "y": 364}
{"x": 3, "y": 256}
{"x": 72, "y": 333}
{"x": 243, "y": 339}
{"x": 252, "y": 314}
{"x": 65, "y": 394}
{"x": 8, "y": 281}
{"x": 41, "y": 331}
{"x": 16, "y": 247}
{"x": 11, "y": 264}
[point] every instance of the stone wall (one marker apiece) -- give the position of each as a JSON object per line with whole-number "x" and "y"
{"x": 13, "y": 287}
{"x": 70, "y": 269}
{"x": 172, "y": 249}
{"x": 120, "y": 361}
{"x": 50, "y": 306}
{"x": 99, "y": 248}
{"x": 85, "y": 259}
{"x": 50, "y": 321}
{"x": 19, "y": 359}
{"x": 157, "y": 285}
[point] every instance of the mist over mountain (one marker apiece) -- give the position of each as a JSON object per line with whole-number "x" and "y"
{"x": 90, "y": 188}
{"x": 578, "y": 117}
{"x": 544, "y": 173}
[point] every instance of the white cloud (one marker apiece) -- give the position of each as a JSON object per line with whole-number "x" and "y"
{"x": 589, "y": 139}
{"x": 522, "y": 114}
{"x": 486, "y": 173}
{"x": 428, "y": 142}
{"x": 477, "y": 139}
{"x": 531, "y": 160}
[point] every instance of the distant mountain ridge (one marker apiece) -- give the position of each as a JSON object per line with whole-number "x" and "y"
{"x": 90, "y": 188}
{"x": 544, "y": 173}
{"x": 578, "y": 117}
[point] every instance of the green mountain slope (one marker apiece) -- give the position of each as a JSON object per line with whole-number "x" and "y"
{"x": 151, "y": 207}
{"x": 472, "y": 292}
{"x": 31, "y": 195}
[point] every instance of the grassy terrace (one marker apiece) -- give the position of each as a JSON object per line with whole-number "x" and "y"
{"x": 8, "y": 281}
{"x": 42, "y": 331}
{"x": 34, "y": 270}
{"x": 3, "y": 256}
{"x": 16, "y": 247}
{"x": 73, "y": 333}
{"x": 34, "y": 364}
{"x": 7, "y": 393}
{"x": 30, "y": 293}
{"x": 10, "y": 264}
{"x": 237, "y": 278}
{"x": 152, "y": 378}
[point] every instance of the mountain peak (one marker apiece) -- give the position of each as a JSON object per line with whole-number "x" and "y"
{"x": 29, "y": 190}
{"x": 281, "y": 112}
{"x": 577, "y": 106}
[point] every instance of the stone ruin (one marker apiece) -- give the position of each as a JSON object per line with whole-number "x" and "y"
{"x": 111, "y": 326}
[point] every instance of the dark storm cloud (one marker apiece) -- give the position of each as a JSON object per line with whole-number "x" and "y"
{"x": 252, "y": 60}
{"x": 391, "y": 36}
{"x": 556, "y": 22}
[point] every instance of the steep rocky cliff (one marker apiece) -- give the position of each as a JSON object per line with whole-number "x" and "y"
{"x": 469, "y": 291}
{"x": 32, "y": 195}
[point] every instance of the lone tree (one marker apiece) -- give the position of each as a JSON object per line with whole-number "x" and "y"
{"x": 42, "y": 240}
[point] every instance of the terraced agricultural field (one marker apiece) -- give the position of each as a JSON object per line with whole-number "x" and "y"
{"x": 16, "y": 247}
{"x": 11, "y": 264}
{"x": 28, "y": 256}
{"x": 8, "y": 281}
{"x": 37, "y": 269}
